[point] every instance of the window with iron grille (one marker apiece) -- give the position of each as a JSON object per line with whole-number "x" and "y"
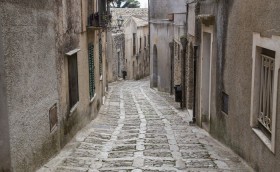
{"x": 134, "y": 43}
{"x": 73, "y": 80}
{"x": 100, "y": 57}
{"x": 266, "y": 91}
{"x": 91, "y": 70}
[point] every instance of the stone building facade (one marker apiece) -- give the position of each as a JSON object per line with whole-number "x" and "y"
{"x": 129, "y": 50}
{"x": 136, "y": 48}
{"x": 237, "y": 79}
{"x": 52, "y": 76}
{"x": 116, "y": 55}
{"x": 166, "y": 28}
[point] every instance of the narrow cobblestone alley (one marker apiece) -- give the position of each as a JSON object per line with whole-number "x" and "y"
{"x": 139, "y": 130}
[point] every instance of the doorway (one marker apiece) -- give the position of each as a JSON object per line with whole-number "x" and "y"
{"x": 205, "y": 89}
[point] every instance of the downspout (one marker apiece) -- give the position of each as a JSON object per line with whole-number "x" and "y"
{"x": 194, "y": 83}
{"x": 184, "y": 42}
{"x": 149, "y": 38}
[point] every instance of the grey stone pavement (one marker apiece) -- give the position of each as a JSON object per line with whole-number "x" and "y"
{"x": 139, "y": 129}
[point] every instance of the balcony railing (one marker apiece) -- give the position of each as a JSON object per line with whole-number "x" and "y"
{"x": 99, "y": 19}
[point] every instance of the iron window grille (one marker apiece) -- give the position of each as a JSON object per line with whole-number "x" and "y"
{"x": 266, "y": 92}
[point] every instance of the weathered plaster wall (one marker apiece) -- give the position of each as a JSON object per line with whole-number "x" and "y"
{"x": 68, "y": 29}
{"x": 129, "y": 29}
{"x": 5, "y": 157}
{"x": 143, "y": 67}
{"x": 37, "y": 36}
{"x": 110, "y": 60}
{"x": 116, "y": 60}
{"x": 162, "y": 33}
{"x": 177, "y": 63}
{"x": 235, "y": 22}
{"x": 29, "y": 53}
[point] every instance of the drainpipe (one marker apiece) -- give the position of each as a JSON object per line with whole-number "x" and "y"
{"x": 184, "y": 42}
{"x": 194, "y": 83}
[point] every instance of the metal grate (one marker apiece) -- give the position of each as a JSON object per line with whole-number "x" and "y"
{"x": 91, "y": 69}
{"x": 266, "y": 91}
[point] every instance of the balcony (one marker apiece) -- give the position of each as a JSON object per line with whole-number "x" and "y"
{"x": 99, "y": 20}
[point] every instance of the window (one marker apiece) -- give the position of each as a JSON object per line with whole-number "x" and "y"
{"x": 73, "y": 80}
{"x": 53, "y": 117}
{"x": 134, "y": 43}
{"x": 266, "y": 60}
{"x": 140, "y": 44}
{"x": 100, "y": 57}
{"x": 266, "y": 89}
{"x": 145, "y": 42}
{"x": 91, "y": 70}
{"x": 224, "y": 102}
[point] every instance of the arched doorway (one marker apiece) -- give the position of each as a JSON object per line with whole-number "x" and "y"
{"x": 155, "y": 66}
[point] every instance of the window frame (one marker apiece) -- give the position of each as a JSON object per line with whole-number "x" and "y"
{"x": 140, "y": 44}
{"x": 73, "y": 99}
{"x": 134, "y": 43}
{"x": 273, "y": 44}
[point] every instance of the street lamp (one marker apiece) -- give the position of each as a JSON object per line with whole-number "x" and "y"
{"x": 120, "y": 21}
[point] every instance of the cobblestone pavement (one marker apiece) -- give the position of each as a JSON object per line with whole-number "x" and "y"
{"x": 139, "y": 130}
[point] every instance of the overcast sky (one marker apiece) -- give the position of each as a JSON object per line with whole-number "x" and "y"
{"x": 144, "y": 3}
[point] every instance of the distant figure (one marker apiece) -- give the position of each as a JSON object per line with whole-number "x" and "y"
{"x": 124, "y": 73}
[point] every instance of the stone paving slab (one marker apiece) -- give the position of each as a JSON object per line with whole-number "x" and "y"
{"x": 142, "y": 130}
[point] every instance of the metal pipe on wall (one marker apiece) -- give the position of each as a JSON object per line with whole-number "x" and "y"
{"x": 194, "y": 83}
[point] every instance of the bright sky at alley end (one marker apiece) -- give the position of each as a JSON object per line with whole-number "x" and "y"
{"x": 144, "y": 3}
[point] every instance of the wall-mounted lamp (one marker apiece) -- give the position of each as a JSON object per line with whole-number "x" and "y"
{"x": 120, "y": 21}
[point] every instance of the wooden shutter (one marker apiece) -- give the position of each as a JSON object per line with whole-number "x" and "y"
{"x": 91, "y": 69}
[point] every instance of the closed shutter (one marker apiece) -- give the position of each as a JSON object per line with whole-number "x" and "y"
{"x": 91, "y": 69}
{"x": 100, "y": 56}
